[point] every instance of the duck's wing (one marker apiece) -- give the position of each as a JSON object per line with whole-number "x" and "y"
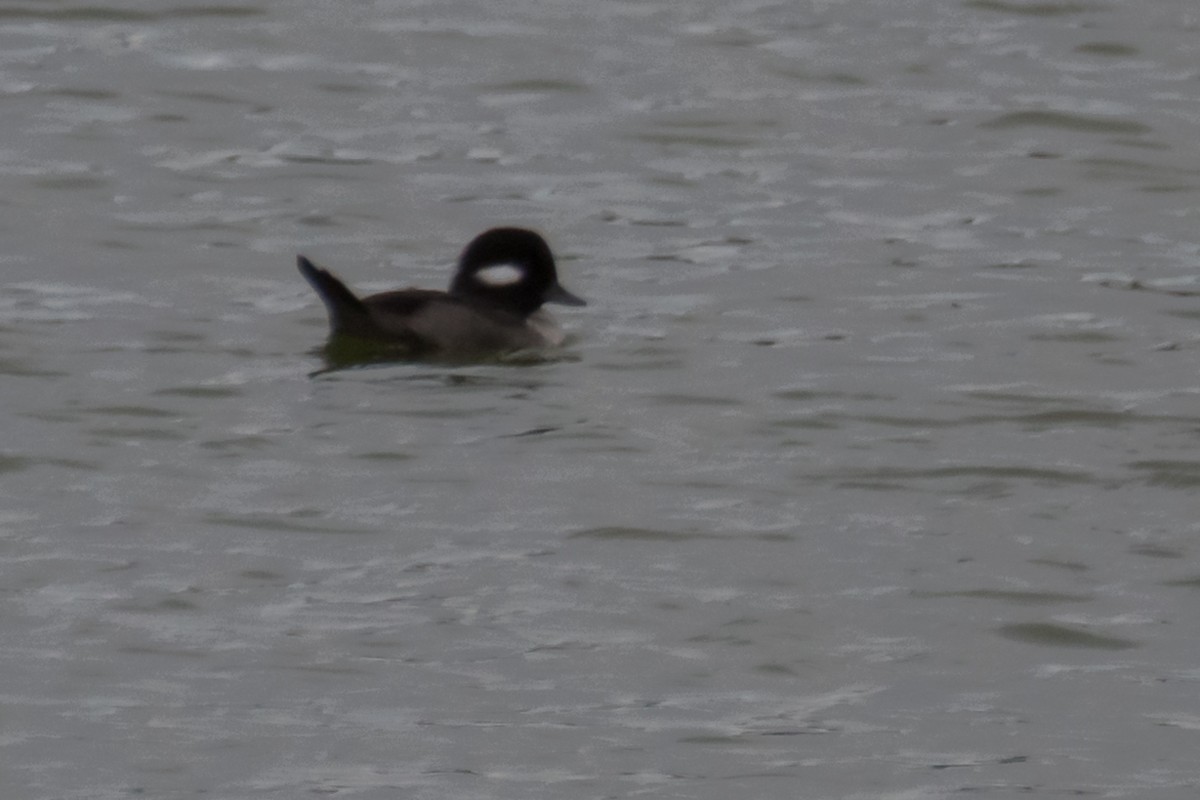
{"x": 447, "y": 325}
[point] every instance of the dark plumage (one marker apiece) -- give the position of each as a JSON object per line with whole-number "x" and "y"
{"x": 474, "y": 318}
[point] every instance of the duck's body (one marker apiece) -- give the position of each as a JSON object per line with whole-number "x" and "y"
{"x": 475, "y": 318}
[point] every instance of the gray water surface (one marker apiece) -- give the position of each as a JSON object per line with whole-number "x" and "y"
{"x": 870, "y": 470}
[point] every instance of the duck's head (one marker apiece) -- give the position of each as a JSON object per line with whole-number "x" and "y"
{"x": 511, "y": 268}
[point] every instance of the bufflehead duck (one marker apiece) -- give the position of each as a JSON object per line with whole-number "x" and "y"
{"x": 476, "y": 317}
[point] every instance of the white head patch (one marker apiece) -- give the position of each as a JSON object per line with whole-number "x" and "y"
{"x": 500, "y": 275}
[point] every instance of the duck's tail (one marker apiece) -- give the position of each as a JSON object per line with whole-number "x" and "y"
{"x": 346, "y": 312}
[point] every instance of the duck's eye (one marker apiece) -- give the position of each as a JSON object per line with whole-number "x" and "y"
{"x": 499, "y": 275}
